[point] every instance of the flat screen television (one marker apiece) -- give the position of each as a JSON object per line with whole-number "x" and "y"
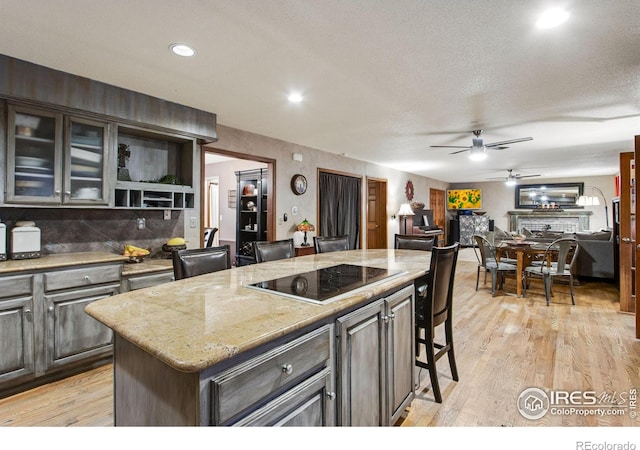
{"x": 464, "y": 198}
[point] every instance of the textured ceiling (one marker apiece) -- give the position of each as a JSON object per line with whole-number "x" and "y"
{"x": 383, "y": 80}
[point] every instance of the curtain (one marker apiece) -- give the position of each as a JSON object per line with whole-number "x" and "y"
{"x": 340, "y": 211}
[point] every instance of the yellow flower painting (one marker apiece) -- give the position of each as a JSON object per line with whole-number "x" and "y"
{"x": 464, "y": 199}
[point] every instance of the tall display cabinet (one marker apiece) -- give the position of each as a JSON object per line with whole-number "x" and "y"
{"x": 467, "y": 226}
{"x": 251, "y": 213}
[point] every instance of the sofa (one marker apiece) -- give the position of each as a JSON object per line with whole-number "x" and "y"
{"x": 596, "y": 256}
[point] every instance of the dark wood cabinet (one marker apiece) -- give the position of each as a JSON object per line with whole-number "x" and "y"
{"x": 251, "y": 213}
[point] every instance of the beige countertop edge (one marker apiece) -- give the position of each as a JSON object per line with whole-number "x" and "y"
{"x": 59, "y": 260}
{"x": 78, "y": 258}
{"x": 198, "y": 322}
{"x": 223, "y": 351}
{"x": 147, "y": 266}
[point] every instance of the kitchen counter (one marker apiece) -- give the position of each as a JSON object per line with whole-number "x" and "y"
{"x": 147, "y": 266}
{"x": 73, "y": 259}
{"x": 59, "y": 260}
{"x": 195, "y": 323}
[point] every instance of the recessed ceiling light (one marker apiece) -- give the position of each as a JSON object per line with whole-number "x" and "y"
{"x": 182, "y": 50}
{"x": 552, "y": 18}
{"x": 295, "y": 97}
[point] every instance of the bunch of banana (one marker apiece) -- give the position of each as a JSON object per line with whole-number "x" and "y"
{"x": 132, "y": 250}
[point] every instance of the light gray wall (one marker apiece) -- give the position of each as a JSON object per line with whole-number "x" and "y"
{"x": 498, "y": 198}
{"x": 232, "y": 139}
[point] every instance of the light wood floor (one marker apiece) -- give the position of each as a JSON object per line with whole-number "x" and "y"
{"x": 503, "y": 345}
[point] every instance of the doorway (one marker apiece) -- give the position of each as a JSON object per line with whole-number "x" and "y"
{"x": 376, "y": 213}
{"x": 211, "y": 209}
{"x": 219, "y": 191}
{"x": 437, "y": 205}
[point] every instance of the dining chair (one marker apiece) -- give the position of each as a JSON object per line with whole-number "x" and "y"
{"x": 211, "y": 234}
{"x": 325, "y": 244}
{"x": 434, "y": 307}
{"x": 273, "y": 250}
{"x": 486, "y": 255}
{"x": 411, "y": 242}
{"x": 567, "y": 250}
{"x": 189, "y": 263}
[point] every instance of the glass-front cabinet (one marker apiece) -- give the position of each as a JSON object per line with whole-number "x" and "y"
{"x": 85, "y": 152}
{"x": 34, "y": 154}
{"x": 52, "y": 159}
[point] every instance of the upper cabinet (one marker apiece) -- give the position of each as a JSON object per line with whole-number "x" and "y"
{"x": 58, "y": 159}
{"x": 155, "y": 170}
{"x": 87, "y": 162}
{"x": 54, "y": 159}
{"x": 71, "y": 141}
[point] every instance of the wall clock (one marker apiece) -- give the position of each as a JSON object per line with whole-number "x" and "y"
{"x": 298, "y": 184}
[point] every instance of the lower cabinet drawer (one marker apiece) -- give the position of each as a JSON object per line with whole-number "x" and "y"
{"x": 308, "y": 404}
{"x": 143, "y": 281}
{"x": 236, "y": 390}
{"x": 13, "y": 286}
{"x": 84, "y": 276}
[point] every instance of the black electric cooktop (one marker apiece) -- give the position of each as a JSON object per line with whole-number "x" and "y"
{"x": 324, "y": 285}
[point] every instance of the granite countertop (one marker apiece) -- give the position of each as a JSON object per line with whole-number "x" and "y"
{"x": 197, "y": 322}
{"x": 147, "y": 266}
{"x": 59, "y": 260}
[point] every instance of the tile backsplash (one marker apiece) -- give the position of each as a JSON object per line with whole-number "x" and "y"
{"x": 65, "y": 230}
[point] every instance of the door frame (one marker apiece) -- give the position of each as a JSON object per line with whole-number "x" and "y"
{"x": 432, "y": 205}
{"x": 636, "y": 246}
{"x": 271, "y": 193}
{"x": 381, "y": 219}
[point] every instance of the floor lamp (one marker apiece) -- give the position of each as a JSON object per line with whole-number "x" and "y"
{"x": 405, "y": 210}
{"x": 586, "y": 200}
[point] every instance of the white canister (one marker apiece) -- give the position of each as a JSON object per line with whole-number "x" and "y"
{"x": 25, "y": 242}
{"x": 3, "y": 242}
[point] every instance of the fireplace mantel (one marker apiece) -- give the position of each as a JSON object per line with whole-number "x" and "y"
{"x": 566, "y": 220}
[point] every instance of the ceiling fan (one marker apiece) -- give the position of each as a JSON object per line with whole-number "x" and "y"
{"x": 478, "y": 149}
{"x": 512, "y": 178}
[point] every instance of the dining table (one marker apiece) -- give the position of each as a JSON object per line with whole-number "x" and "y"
{"x": 525, "y": 252}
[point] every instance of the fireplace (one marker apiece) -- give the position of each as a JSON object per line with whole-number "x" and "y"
{"x": 540, "y": 220}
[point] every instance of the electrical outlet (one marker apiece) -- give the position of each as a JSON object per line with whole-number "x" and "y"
{"x": 140, "y": 223}
{"x": 167, "y": 214}
{"x": 192, "y": 222}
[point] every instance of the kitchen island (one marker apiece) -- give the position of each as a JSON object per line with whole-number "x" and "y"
{"x": 208, "y": 350}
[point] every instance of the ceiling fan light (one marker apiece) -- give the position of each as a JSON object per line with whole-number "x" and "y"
{"x": 511, "y": 182}
{"x": 477, "y": 153}
{"x": 552, "y": 18}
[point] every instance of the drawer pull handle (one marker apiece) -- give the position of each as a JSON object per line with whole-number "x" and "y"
{"x": 331, "y": 395}
{"x": 385, "y": 319}
{"x": 288, "y": 369}
{"x": 50, "y": 308}
{"x": 27, "y": 313}
{"x": 86, "y": 279}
